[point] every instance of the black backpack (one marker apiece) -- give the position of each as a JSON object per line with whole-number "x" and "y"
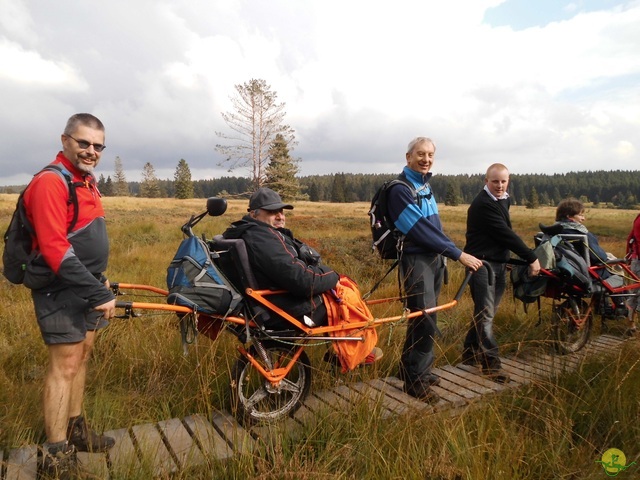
{"x": 17, "y": 252}
{"x": 386, "y": 238}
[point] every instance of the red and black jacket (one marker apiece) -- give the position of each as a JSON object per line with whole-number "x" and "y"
{"x": 78, "y": 258}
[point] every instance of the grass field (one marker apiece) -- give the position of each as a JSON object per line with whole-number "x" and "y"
{"x": 552, "y": 429}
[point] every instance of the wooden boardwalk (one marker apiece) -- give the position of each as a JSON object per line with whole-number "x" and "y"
{"x": 172, "y": 445}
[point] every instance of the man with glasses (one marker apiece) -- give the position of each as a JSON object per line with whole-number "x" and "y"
{"x": 75, "y": 301}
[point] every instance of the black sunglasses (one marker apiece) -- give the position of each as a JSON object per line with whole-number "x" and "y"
{"x": 83, "y": 144}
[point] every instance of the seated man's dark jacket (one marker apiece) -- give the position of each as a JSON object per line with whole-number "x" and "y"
{"x": 281, "y": 262}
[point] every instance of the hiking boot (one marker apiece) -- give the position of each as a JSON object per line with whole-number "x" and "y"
{"x": 631, "y": 332}
{"x": 62, "y": 465}
{"x": 86, "y": 440}
{"x": 470, "y": 357}
{"x": 496, "y": 374}
{"x": 422, "y": 390}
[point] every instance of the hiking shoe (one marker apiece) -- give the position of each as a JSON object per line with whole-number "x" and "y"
{"x": 469, "y": 357}
{"x": 422, "y": 391}
{"x": 86, "y": 440}
{"x": 61, "y": 465}
{"x": 496, "y": 374}
{"x": 375, "y": 355}
{"x": 631, "y": 332}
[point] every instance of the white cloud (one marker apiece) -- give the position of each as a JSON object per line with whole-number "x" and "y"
{"x": 360, "y": 79}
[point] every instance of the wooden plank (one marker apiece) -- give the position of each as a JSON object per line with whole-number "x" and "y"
{"x": 613, "y": 338}
{"x": 304, "y": 414}
{"x": 181, "y": 444}
{"x": 288, "y": 427}
{"x": 314, "y": 403}
{"x": 233, "y": 433}
{"x": 448, "y": 399}
{"x": 123, "y": 455}
{"x": 476, "y": 378}
{"x": 378, "y": 400}
{"x": 465, "y": 383}
{"x": 22, "y": 463}
{"x": 526, "y": 370}
{"x": 153, "y": 449}
{"x": 94, "y": 465}
{"x": 213, "y": 445}
{"x": 610, "y": 340}
{"x": 596, "y": 348}
{"x": 358, "y": 396}
{"x": 333, "y": 400}
{"x": 537, "y": 369}
{"x": 542, "y": 367}
{"x": 517, "y": 376}
{"x": 398, "y": 395}
{"x": 561, "y": 363}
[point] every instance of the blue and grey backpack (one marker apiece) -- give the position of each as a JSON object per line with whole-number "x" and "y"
{"x": 194, "y": 281}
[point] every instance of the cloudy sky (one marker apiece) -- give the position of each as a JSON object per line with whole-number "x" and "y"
{"x": 542, "y": 86}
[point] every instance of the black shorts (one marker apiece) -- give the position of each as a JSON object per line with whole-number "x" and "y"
{"x": 64, "y": 317}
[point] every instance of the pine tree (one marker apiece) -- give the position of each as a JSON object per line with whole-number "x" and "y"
{"x": 338, "y": 188}
{"x": 256, "y": 121}
{"x": 534, "y": 202}
{"x": 183, "y": 183}
{"x": 451, "y": 198}
{"x": 108, "y": 188}
{"x": 149, "y": 187}
{"x": 120, "y": 185}
{"x": 282, "y": 170}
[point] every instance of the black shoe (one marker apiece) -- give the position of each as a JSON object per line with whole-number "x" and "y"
{"x": 86, "y": 440}
{"x": 61, "y": 465}
{"x": 422, "y": 391}
{"x": 470, "y": 357}
{"x": 496, "y": 374}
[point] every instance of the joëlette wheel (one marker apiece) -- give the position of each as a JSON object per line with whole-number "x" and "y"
{"x": 571, "y": 321}
{"x": 254, "y": 400}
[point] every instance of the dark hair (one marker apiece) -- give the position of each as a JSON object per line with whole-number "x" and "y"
{"x": 85, "y": 119}
{"x": 569, "y": 207}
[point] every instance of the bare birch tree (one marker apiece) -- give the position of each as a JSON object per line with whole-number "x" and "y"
{"x": 256, "y": 121}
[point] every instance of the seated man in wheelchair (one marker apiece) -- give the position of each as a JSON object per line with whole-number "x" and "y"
{"x": 281, "y": 262}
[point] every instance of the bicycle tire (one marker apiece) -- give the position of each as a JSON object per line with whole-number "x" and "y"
{"x": 571, "y": 324}
{"x": 254, "y": 401}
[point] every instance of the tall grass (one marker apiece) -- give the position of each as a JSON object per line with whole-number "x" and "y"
{"x": 138, "y": 374}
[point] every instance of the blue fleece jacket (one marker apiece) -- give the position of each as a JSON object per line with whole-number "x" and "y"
{"x": 421, "y": 224}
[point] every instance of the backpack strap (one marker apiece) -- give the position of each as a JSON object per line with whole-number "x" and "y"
{"x": 71, "y": 188}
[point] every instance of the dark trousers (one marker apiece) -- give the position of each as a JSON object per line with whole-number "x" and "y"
{"x": 486, "y": 299}
{"x": 422, "y": 277}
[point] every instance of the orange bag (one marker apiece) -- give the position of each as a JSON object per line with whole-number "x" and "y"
{"x": 345, "y": 306}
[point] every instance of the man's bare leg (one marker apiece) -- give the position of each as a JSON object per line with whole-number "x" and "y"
{"x": 65, "y": 361}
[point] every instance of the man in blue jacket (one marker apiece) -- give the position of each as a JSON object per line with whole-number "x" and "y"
{"x": 422, "y": 264}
